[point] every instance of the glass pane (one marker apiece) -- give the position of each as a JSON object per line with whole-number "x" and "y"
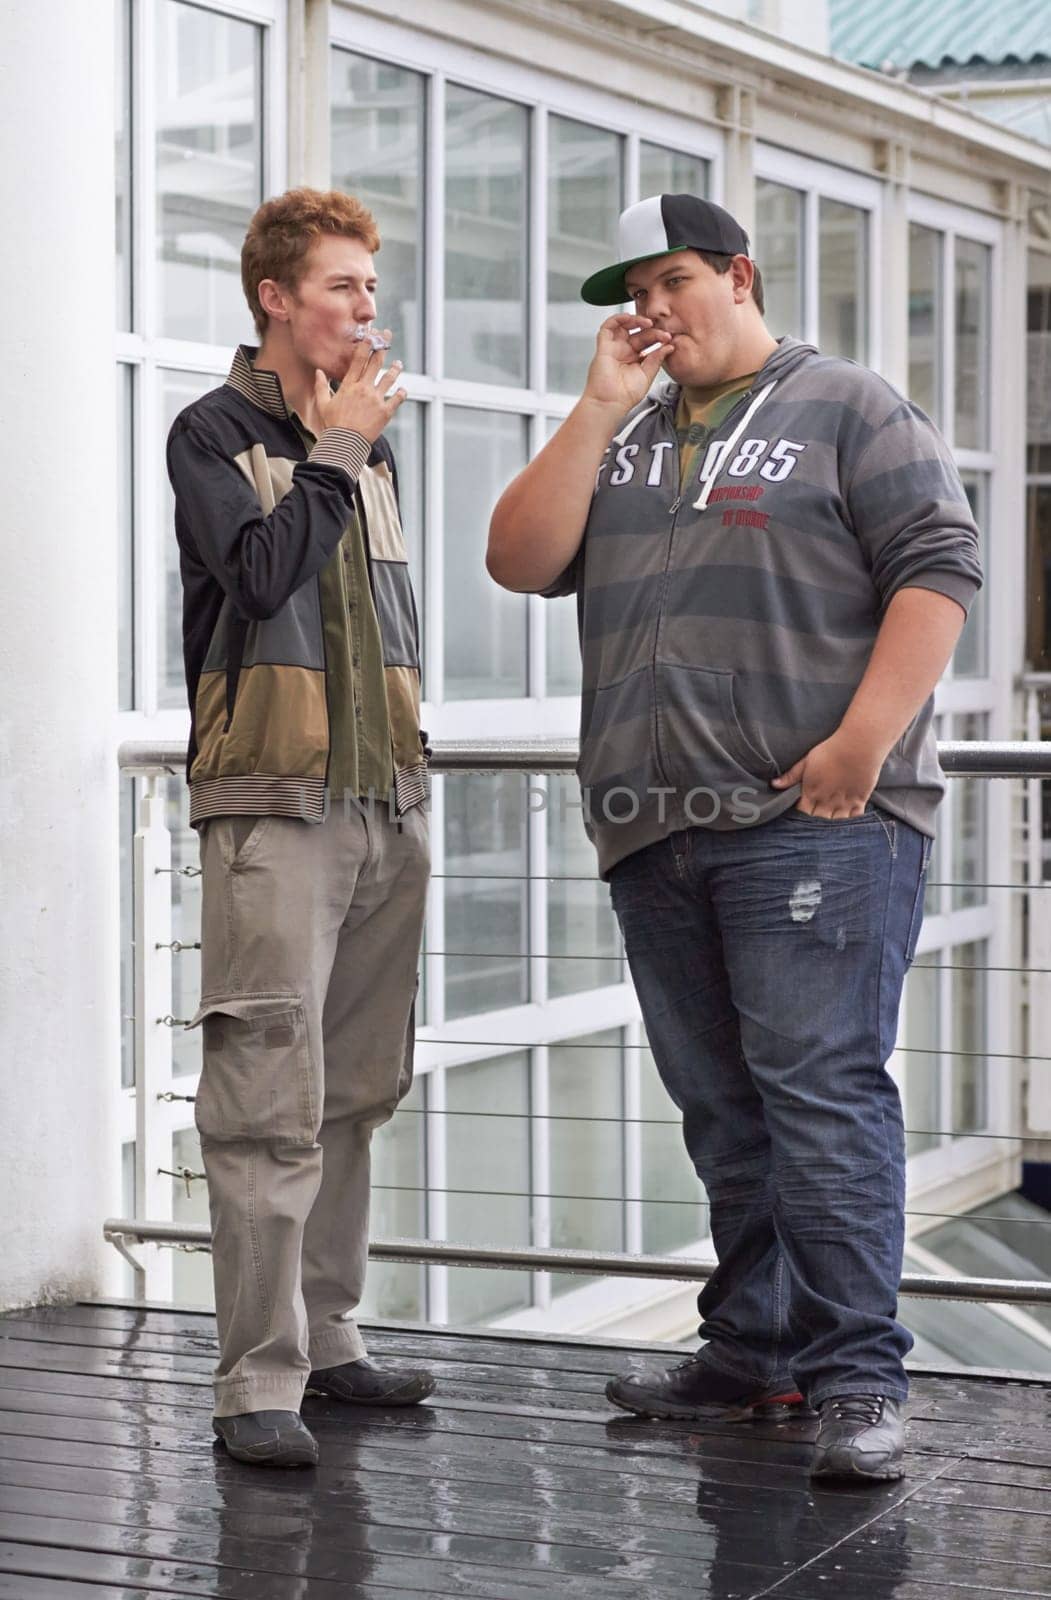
{"x": 186, "y": 925}
{"x": 670, "y": 172}
{"x": 192, "y": 1282}
{"x": 969, "y": 823}
{"x": 972, "y": 345}
{"x": 969, "y": 1073}
{"x": 127, "y": 933}
{"x": 178, "y": 389}
{"x": 587, "y": 1149}
{"x": 122, "y": 154}
{"x": 485, "y": 626}
{"x": 674, "y": 1211}
{"x": 125, "y": 540}
{"x": 1038, "y": 525}
{"x": 399, "y": 1183}
{"x": 971, "y": 656}
{"x": 580, "y": 920}
{"x": 405, "y": 436}
{"x": 486, "y": 916}
{"x": 842, "y": 280}
{"x": 922, "y": 1032}
{"x": 583, "y": 203}
{"x": 780, "y": 255}
{"x": 486, "y": 239}
{"x": 925, "y": 322}
{"x": 489, "y": 1155}
{"x": 562, "y": 646}
{"x": 378, "y": 143}
{"x": 209, "y": 168}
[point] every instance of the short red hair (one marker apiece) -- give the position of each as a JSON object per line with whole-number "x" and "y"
{"x": 282, "y": 231}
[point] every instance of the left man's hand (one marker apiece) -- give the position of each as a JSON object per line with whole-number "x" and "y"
{"x": 837, "y": 776}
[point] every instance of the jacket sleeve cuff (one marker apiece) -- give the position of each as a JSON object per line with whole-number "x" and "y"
{"x": 342, "y": 447}
{"x": 955, "y": 585}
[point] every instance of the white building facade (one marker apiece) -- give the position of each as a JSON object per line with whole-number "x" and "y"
{"x": 496, "y": 145}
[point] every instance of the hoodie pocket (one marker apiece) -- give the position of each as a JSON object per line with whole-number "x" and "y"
{"x": 700, "y": 740}
{"x": 257, "y": 1079}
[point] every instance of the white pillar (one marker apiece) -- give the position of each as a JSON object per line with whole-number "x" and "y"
{"x": 309, "y": 93}
{"x": 59, "y": 973}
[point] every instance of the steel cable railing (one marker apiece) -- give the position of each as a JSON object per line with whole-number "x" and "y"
{"x": 987, "y": 760}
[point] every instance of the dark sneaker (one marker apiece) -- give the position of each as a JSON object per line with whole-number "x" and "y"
{"x": 695, "y": 1389}
{"x": 369, "y": 1383}
{"x": 859, "y": 1436}
{"x": 268, "y": 1438}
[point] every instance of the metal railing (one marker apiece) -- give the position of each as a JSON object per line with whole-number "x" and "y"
{"x": 1027, "y": 760}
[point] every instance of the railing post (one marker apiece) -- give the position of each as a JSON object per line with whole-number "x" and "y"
{"x": 1038, "y": 921}
{"x": 153, "y": 1039}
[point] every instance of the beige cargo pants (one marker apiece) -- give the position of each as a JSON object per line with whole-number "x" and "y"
{"x": 310, "y": 939}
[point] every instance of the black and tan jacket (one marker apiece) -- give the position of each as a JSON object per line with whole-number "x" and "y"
{"x": 259, "y": 512}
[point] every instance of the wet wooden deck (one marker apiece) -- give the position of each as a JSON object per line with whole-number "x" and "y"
{"x": 515, "y": 1482}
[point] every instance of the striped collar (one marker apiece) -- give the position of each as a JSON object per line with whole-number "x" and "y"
{"x": 262, "y": 388}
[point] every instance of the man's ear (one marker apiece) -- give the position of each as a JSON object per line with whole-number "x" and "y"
{"x": 273, "y": 299}
{"x": 742, "y": 274}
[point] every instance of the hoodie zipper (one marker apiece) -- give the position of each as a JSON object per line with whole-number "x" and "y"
{"x": 673, "y": 512}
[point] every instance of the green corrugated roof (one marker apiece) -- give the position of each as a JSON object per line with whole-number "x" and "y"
{"x": 935, "y": 33}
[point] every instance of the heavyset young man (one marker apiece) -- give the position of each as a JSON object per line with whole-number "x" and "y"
{"x": 773, "y": 557}
{"x": 307, "y": 777}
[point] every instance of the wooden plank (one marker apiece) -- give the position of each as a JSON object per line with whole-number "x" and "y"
{"x": 397, "y": 1497}
{"x": 453, "y": 1357}
{"x": 630, "y": 1442}
{"x": 606, "y": 1521}
{"x": 448, "y": 1561}
{"x": 358, "y": 1522}
{"x": 188, "y": 1397}
{"x": 18, "y": 1586}
{"x": 418, "y": 1455}
{"x": 987, "y": 1496}
{"x": 58, "y": 1356}
{"x": 95, "y": 1573}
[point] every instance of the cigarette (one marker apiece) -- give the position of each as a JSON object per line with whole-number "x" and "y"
{"x": 376, "y": 340}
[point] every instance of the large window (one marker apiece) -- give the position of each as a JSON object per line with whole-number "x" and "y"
{"x": 815, "y": 239}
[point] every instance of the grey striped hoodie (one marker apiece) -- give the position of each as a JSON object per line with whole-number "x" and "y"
{"x": 725, "y": 630}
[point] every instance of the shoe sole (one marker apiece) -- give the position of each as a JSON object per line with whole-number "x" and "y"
{"x": 777, "y": 1408}
{"x": 410, "y": 1395}
{"x": 272, "y": 1458}
{"x": 856, "y": 1475}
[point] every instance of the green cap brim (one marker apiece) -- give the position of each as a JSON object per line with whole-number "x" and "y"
{"x": 607, "y": 288}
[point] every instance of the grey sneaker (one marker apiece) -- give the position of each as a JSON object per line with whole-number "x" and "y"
{"x": 692, "y": 1388}
{"x": 859, "y": 1436}
{"x": 268, "y": 1438}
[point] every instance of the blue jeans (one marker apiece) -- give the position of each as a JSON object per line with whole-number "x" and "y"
{"x": 769, "y": 965}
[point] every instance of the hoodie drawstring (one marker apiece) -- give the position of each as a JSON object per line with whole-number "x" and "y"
{"x": 721, "y": 452}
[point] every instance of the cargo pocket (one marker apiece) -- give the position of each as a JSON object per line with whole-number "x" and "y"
{"x": 256, "y": 1075}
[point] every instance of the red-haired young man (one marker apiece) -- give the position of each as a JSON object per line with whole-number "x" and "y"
{"x": 307, "y": 775}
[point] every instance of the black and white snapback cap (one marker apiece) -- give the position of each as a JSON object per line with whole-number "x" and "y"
{"x": 657, "y": 227}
